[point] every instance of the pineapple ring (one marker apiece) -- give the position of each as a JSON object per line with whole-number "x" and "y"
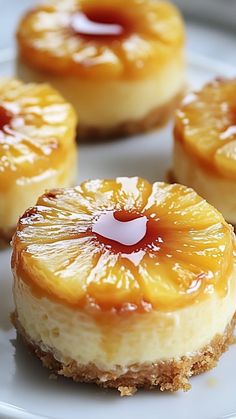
{"x": 33, "y": 137}
{"x": 206, "y": 127}
{"x": 37, "y": 145}
{"x": 151, "y": 33}
{"x": 57, "y": 251}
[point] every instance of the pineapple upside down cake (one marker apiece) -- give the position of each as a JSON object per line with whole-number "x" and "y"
{"x": 205, "y": 145}
{"x": 123, "y": 68}
{"x": 125, "y": 284}
{"x": 37, "y": 147}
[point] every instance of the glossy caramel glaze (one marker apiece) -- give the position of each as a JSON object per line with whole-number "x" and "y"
{"x": 127, "y": 232}
{"x": 37, "y": 127}
{"x": 101, "y": 39}
{"x": 101, "y": 24}
{"x": 182, "y": 251}
{"x": 206, "y": 127}
{"x": 5, "y": 118}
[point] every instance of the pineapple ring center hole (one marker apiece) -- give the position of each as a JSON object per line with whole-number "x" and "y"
{"x": 5, "y": 118}
{"x": 99, "y": 23}
{"x": 127, "y": 232}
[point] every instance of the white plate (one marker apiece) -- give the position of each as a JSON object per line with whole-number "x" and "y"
{"x": 25, "y": 390}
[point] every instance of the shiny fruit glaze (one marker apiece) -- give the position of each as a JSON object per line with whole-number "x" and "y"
{"x": 101, "y": 24}
{"x": 101, "y": 38}
{"x": 126, "y": 232}
{"x": 206, "y": 126}
{"x": 36, "y": 134}
{"x": 70, "y": 249}
{"x": 5, "y": 118}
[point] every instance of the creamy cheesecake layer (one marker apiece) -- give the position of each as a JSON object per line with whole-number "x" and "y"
{"x": 218, "y": 191}
{"x": 105, "y": 103}
{"x": 25, "y": 191}
{"x": 122, "y": 339}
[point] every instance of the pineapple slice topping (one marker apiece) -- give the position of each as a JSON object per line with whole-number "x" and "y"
{"x": 101, "y": 38}
{"x": 37, "y": 128}
{"x": 124, "y": 244}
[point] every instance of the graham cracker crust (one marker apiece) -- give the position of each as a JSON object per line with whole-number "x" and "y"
{"x": 156, "y": 118}
{"x": 6, "y": 236}
{"x": 171, "y": 375}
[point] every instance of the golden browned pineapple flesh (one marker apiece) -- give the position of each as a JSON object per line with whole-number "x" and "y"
{"x": 205, "y": 145}
{"x": 37, "y": 147}
{"x": 124, "y": 283}
{"x": 122, "y": 68}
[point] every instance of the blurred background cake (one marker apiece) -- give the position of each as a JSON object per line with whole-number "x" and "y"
{"x": 205, "y": 145}
{"x": 37, "y": 147}
{"x": 123, "y": 68}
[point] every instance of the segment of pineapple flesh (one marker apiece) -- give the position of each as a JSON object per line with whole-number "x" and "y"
{"x": 39, "y": 130}
{"x": 207, "y": 125}
{"x": 58, "y": 254}
{"x": 156, "y": 31}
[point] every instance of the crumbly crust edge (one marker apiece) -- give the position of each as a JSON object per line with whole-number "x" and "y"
{"x": 157, "y": 117}
{"x": 170, "y": 375}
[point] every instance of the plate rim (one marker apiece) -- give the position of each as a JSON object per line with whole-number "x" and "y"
{"x": 11, "y": 411}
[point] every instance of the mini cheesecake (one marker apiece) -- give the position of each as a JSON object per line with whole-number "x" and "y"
{"x": 37, "y": 147}
{"x": 122, "y": 68}
{"x": 205, "y": 145}
{"x": 125, "y": 284}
